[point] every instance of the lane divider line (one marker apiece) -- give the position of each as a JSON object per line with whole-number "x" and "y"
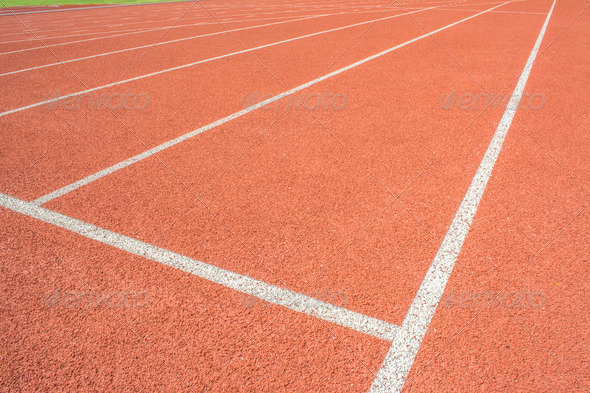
{"x": 499, "y": 12}
{"x": 203, "y": 22}
{"x": 15, "y": 110}
{"x": 156, "y": 44}
{"x": 88, "y": 23}
{"x": 125, "y": 163}
{"x": 91, "y": 7}
{"x": 79, "y": 33}
{"x": 204, "y": 16}
{"x": 260, "y": 289}
{"x": 83, "y": 32}
{"x": 123, "y": 33}
{"x": 398, "y": 361}
{"x": 172, "y": 42}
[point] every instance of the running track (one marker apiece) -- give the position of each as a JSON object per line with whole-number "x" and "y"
{"x": 304, "y": 196}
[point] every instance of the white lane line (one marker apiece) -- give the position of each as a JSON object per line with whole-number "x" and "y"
{"x": 201, "y": 62}
{"x": 398, "y": 361}
{"x": 158, "y": 44}
{"x": 91, "y": 39}
{"x": 123, "y": 164}
{"x": 140, "y": 31}
{"x": 470, "y": 4}
{"x": 78, "y": 33}
{"x": 203, "y": 21}
{"x": 260, "y": 289}
{"x": 88, "y": 26}
{"x": 75, "y": 33}
{"x": 305, "y": 17}
{"x": 493, "y": 12}
{"x": 88, "y": 8}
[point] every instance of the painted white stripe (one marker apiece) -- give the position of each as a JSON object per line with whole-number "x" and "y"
{"x": 86, "y": 40}
{"x": 306, "y": 17}
{"x": 493, "y": 12}
{"x": 88, "y": 24}
{"x": 157, "y": 44}
{"x": 75, "y": 33}
{"x": 394, "y": 371}
{"x": 89, "y": 8}
{"x": 260, "y": 289}
{"x": 138, "y": 31}
{"x": 148, "y": 29}
{"x": 203, "y": 18}
{"x": 82, "y": 182}
{"x": 200, "y": 62}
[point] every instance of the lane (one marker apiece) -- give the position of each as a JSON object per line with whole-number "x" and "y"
{"x": 528, "y": 245}
{"x": 400, "y": 358}
{"x": 70, "y": 295}
{"x": 262, "y": 291}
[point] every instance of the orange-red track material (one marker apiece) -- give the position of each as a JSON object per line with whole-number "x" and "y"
{"x": 342, "y": 194}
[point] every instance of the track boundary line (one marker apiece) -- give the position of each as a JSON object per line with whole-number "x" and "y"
{"x": 262, "y": 290}
{"x": 129, "y": 161}
{"x": 396, "y": 366}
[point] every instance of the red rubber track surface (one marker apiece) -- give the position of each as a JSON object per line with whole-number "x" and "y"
{"x": 347, "y": 204}
{"x": 301, "y": 162}
{"x": 530, "y": 236}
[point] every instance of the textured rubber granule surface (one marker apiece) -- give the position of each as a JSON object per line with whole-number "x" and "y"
{"x": 341, "y": 193}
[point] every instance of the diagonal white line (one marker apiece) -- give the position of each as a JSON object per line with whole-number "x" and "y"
{"x": 157, "y": 44}
{"x": 260, "y": 289}
{"x": 140, "y": 31}
{"x": 89, "y": 179}
{"x": 149, "y": 30}
{"x": 91, "y": 7}
{"x": 37, "y": 104}
{"x": 399, "y": 359}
